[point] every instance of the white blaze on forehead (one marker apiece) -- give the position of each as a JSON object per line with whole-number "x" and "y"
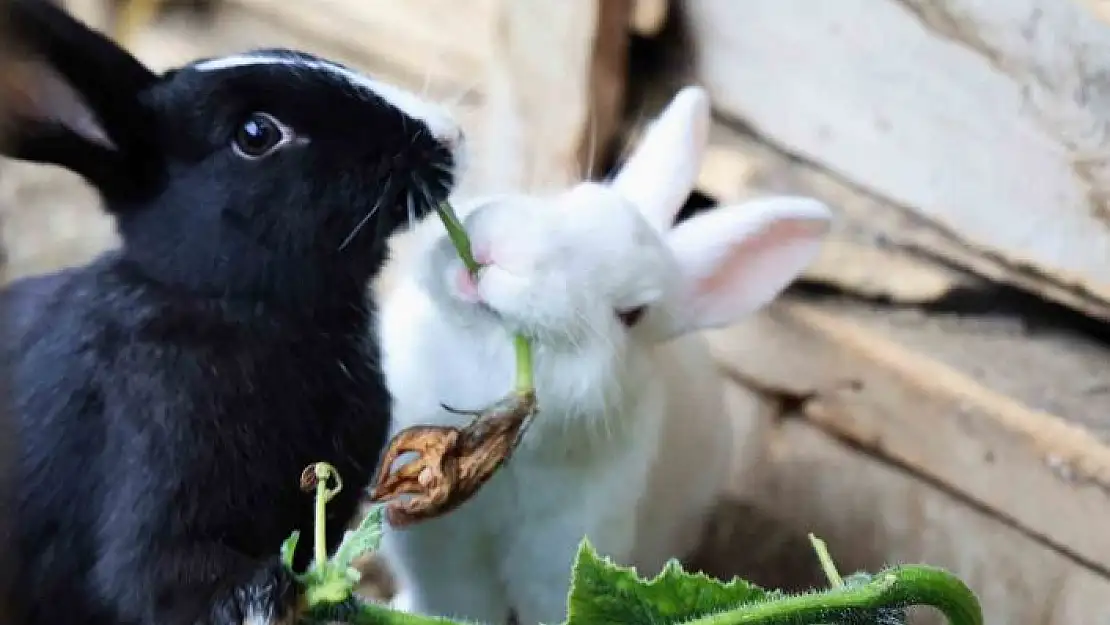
{"x": 438, "y": 120}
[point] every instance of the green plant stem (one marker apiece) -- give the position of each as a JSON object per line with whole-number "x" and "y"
{"x": 319, "y": 539}
{"x": 323, "y": 471}
{"x": 896, "y": 587}
{"x": 525, "y": 381}
{"x": 457, "y": 234}
{"x": 827, "y": 564}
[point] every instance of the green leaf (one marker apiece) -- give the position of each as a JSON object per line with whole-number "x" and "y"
{"x": 605, "y": 593}
{"x": 288, "y": 548}
{"x": 362, "y": 539}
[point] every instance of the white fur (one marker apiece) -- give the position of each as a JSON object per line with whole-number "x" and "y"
{"x": 439, "y": 122}
{"x": 632, "y": 443}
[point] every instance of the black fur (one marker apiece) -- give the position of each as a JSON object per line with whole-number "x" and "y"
{"x": 170, "y": 393}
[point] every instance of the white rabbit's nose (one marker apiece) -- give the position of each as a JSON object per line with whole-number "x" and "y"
{"x": 466, "y": 286}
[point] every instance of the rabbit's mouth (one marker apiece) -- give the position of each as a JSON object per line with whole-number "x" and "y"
{"x": 466, "y": 288}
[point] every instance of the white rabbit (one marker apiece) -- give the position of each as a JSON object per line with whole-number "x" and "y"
{"x": 632, "y": 442}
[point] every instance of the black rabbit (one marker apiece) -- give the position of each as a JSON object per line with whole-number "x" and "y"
{"x": 169, "y": 393}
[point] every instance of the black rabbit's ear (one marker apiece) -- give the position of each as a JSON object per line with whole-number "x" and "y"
{"x": 73, "y": 97}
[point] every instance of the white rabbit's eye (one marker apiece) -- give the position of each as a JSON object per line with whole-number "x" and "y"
{"x": 258, "y": 135}
{"x": 632, "y": 316}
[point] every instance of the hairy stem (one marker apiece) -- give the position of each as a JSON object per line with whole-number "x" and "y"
{"x": 827, "y": 564}
{"x": 897, "y": 587}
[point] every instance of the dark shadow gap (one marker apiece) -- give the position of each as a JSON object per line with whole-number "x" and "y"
{"x": 1037, "y": 316}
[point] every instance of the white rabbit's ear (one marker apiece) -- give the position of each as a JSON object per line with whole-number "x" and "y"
{"x": 662, "y": 170}
{"x": 736, "y": 259}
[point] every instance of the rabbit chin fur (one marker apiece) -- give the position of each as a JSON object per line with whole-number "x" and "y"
{"x": 631, "y": 443}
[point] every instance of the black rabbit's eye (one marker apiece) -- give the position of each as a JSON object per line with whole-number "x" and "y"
{"x": 258, "y": 135}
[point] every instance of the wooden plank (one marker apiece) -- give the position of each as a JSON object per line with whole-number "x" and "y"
{"x": 546, "y": 115}
{"x": 860, "y": 255}
{"x": 956, "y": 401}
{"x": 986, "y": 119}
{"x": 443, "y": 42}
{"x": 873, "y": 514}
{"x": 856, "y": 258}
{"x": 877, "y": 249}
{"x": 649, "y": 16}
{"x": 608, "y": 77}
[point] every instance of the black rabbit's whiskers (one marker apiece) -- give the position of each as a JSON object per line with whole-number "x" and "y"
{"x": 419, "y": 194}
{"x": 425, "y": 193}
{"x": 369, "y": 215}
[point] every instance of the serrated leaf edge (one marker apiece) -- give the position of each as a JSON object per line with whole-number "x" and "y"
{"x": 672, "y": 567}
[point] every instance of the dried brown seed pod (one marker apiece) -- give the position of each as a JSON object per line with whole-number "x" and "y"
{"x": 451, "y": 463}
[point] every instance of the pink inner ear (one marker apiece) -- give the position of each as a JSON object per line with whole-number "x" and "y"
{"x": 35, "y": 91}
{"x": 18, "y": 89}
{"x": 748, "y": 264}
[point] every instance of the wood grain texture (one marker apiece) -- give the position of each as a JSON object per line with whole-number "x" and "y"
{"x": 444, "y": 41}
{"x": 608, "y": 75}
{"x": 858, "y": 257}
{"x": 548, "y": 113}
{"x": 873, "y": 514}
{"x": 987, "y": 118}
{"x": 649, "y": 16}
{"x": 960, "y": 403}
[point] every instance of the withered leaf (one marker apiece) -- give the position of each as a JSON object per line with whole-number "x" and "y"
{"x": 451, "y": 463}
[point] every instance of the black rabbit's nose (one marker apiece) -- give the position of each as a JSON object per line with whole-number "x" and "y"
{"x": 456, "y": 144}
{"x": 454, "y": 139}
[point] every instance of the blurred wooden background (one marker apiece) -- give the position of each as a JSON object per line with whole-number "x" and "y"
{"x": 938, "y": 387}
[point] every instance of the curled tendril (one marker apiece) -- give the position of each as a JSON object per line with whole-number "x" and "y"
{"x": 317, "y": 473}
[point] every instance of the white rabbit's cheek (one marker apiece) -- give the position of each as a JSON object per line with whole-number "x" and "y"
{"x": 506, "y": 293}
